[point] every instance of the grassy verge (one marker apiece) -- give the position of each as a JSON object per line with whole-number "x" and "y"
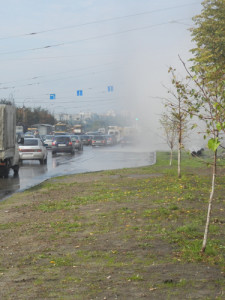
{"x": 121, "y": 234}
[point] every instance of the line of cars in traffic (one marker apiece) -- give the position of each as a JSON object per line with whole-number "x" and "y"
{"x": 94, "y": 139}
{"x": 35, "y": 147}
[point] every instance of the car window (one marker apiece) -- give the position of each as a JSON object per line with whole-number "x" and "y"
{"x": 62, "y": 139}
{"x": 98, "y": 138}
{"x": 30, "y": 142}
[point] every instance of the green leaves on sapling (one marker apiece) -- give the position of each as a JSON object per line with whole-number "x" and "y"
{"x": 213, "y": 144}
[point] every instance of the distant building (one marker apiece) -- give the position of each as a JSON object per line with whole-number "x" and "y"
{"x": 73, "y": 118}
{"x": 110, "y": 113}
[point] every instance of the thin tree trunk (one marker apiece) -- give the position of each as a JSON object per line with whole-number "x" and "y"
{"x": 171, "y": 156}
{"x": 210, "y": 204}
{"x": 179, "y": 160}
{"x": 179, "y": 140}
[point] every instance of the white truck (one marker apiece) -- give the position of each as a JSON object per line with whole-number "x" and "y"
{"x": 116, "y": 132}
{"x": 77, "y": 129}
{"x": 9, "y": 153}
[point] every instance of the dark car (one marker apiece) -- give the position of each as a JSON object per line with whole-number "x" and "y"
{"x": 128, "y": 141}
{"x": 110, "y": 139}
{"x": 99, "y": 140}
{"x": 63, "y": 144}
{"x": 86, "y": 139}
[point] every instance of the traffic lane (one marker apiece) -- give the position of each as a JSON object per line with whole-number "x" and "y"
{"x": 31, "y": 172}
{"x": 91, "y": 159}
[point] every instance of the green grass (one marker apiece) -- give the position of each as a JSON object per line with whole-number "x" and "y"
{"x": 55, "y": 205}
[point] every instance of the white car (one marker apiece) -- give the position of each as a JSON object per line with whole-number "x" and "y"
{"x": 33, "y": 149}
{"x": 48, "y": 140}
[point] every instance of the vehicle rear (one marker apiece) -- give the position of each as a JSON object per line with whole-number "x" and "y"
{"x": 99, "y": 140}
{"x": 116, "y": 134}
{"x": 48, "y": 140}
{"x": 9, "y": 157}
{"x": 110, "y": 140}
{"x": 86, "y": 139}
{"x": 62, "y": 144}
{"x": 33, "y": 149}
{"x": 128, "y": 141}
{"x": 76, "y": 140}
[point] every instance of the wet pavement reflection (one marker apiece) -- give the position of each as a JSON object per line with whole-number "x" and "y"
{"x": 91, "y": 159}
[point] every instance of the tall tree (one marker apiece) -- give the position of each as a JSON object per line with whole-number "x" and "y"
{"x": 209, "y": 35}
{"x": 206, "y": 97}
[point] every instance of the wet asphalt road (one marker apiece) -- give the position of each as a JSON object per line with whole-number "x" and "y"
{"x": 91, "y": 159}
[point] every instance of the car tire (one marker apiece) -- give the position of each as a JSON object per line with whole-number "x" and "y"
{"x": 53, "y": 152}
{"x": 72, "y": 152}
{"x": 42, "y": 161}
{"x": 45, "y": 161}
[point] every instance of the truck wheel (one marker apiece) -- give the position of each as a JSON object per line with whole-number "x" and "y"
{"x": 6, "y": 169}
{"x": 6, "y": 172}
{"x": 16, "y": 170}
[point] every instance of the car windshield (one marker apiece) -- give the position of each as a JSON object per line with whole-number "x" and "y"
{"x": 49, "y": 137}
{"x": 30, "y": 142}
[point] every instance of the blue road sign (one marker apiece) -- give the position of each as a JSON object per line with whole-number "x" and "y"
{"x": 110, "y": 88}
{"x": 52, "y": 96}
{"x": 79, "y": 92}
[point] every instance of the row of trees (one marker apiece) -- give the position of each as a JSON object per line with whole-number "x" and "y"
{"x": 201, "y": 94}
{"x": 26, "y": 116}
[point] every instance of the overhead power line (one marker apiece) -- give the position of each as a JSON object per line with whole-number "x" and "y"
{"x": 59, "y": 73}
{"x": 56, "y": 79}
{"x": 93, "y": 38}
{"x": 98, "y": 21}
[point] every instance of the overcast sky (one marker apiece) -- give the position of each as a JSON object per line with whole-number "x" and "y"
{"x": 59, "y": 47}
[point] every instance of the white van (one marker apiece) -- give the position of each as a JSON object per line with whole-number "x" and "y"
{"x": 116, "y": 133}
